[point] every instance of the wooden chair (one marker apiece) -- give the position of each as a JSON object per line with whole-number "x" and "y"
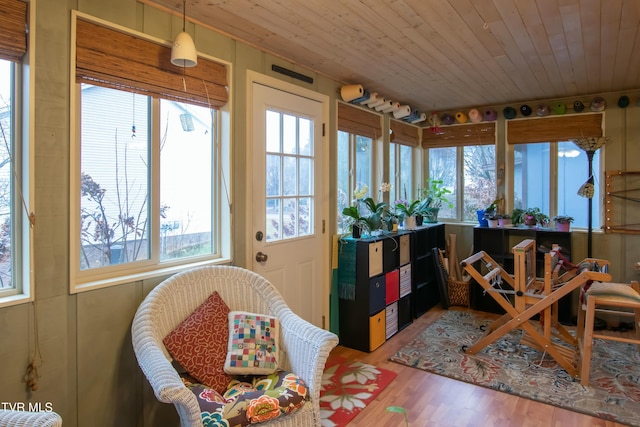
{"x": 605, "y": 298}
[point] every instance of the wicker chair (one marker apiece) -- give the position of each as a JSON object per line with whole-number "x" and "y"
{"x": 29, "y": 419}
{"x": 304, "y": 347}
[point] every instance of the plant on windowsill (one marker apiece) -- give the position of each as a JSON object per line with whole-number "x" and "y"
{"x": 434, "y": 195}
{"x": 356, "y": 217}
{"x": 563, "y": 222}
{"x": 407, "y": 212}
{"x": 529, "y": 217}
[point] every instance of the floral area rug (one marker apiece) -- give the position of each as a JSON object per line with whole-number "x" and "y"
{"x": 347, "y": 387}
{"x": 508, "y": 366}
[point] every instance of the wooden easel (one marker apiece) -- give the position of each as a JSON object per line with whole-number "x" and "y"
{"x": 530, "y": 296}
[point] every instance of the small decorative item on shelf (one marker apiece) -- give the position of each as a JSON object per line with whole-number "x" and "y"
{"x": 482, "y": 221}
{"x": 529, "y": 217}
{"x": 563, "y": 222}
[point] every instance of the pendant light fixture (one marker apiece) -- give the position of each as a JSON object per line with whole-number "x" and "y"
{"x": 183, "y": 52}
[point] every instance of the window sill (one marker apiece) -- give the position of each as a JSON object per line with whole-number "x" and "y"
{"x": 135, "y": 277}
{"x": 17, "y": 299}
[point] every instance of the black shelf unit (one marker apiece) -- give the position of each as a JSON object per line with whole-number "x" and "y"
{"x": 384, "y": 283}
{"x": 425, "y": 285}
{"x": 498, "y": 242}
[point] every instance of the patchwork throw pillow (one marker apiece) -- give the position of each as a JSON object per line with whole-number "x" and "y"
{"x": 200, "y": 343}
{"x": 253, "y": 340}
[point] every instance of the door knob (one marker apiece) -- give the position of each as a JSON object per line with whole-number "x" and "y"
{"x": 260, "y": 257}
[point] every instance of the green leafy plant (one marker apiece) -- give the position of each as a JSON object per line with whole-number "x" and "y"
{"x": 563, "y": 219}
{"x": 406, "y": 209}
{"x": 434, "y": 194}
{"x": 524, "y": 216}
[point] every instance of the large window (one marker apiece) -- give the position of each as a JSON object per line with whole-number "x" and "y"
{"x": 354, "y": 168}
{"x": 543, "y": 169}
{"x": 149, "y": 185}
{"x": 469, "y": 172}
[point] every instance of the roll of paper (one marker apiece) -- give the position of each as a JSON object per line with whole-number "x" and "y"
{"x": 381, "y": 100}
{"x": 373, "y": 97}
{"x": 475, "y": 116}
{"x": 402, "y": 112}
{"x": 351, "y": 92}
{"x": 364, "y": 97}
{"x": 393, "y": 106}
{"x": 382, "y": 107}
{"x": 422, "y": 118}
{"x": 414, "y": 115}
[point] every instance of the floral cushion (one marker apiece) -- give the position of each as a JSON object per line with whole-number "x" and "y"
{"x": 250, "y": 400}
{"x": 253, "y": 340}
{"x": 199, "y": 343}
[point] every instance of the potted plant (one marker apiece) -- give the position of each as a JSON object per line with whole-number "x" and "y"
{"x": 407, "y": 211}
{"x": 504, "y": 220}
{"x": 355, "y": 221}
{"x": 488, "y": 212}
{"x": 529, "y": 217}
{"x": 492, "y": 218}
{"x": 563, "y": 222}
{"x": 434, "y": 194}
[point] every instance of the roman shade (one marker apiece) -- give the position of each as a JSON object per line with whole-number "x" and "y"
{"x": 13, "y": 29}
{"x": 554, "y": 129}
{"x": 483, "y": 133}
{"x": 358, "y": 121}
{"x": 111, "y": 58}
{"x": 404, "y": 133}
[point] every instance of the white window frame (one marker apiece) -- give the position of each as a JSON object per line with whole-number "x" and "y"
{"x": 22, "y": 130}
{"x": 353, "y": 169}
{"x": 89, "y": 279}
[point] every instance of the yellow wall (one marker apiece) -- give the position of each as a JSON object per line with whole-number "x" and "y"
{"x": 89, "y": 373}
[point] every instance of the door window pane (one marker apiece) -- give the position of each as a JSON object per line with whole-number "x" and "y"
{"x": 289, "y": 172}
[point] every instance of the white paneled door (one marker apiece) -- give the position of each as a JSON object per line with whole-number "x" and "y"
{"x": 288, "y": 240}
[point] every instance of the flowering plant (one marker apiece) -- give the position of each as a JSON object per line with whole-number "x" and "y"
{"x": 366, "y": 212}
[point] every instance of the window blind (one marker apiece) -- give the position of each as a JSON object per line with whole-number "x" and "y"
{"x": 358, "y": 121}
{"x": 554, "y": 129}
{"x": 483, "y": 133}
{"x": 13, "y": 29}
{"x": 405, "y": 134}
{"x": 110, "y": 58}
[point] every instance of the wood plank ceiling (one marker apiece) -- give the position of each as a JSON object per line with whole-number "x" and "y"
{"x": 444, "y": 55}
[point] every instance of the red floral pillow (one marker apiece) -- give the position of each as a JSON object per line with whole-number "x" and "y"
{"x": 200, "y": 343}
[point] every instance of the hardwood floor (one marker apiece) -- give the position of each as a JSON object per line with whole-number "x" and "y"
{"x": 436, "y": 401}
